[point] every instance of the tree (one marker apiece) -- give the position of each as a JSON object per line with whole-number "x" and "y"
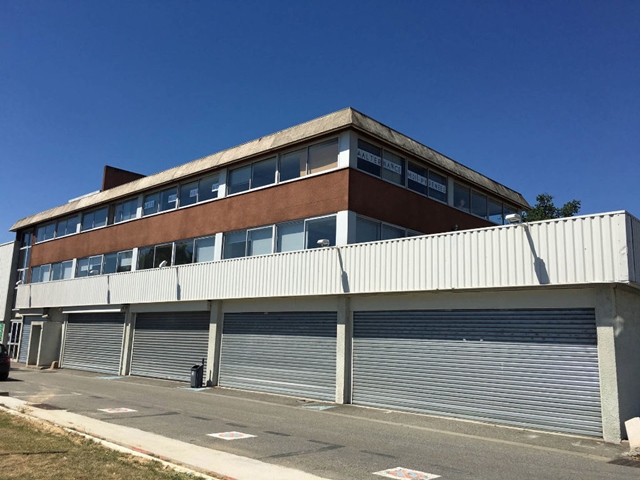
{"x": 544, "y": 209}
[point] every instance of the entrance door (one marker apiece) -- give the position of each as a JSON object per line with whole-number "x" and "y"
{"x": 13, "y": 342}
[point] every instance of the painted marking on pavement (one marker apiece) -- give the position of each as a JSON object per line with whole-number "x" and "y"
{"x": 401, "y": 472}
{"x": 193, "y": 389}
{"x": 318, "y": 407}
{"x": 116, "y": 410}
{"x": 230, "y": 435}
{"x": 109, "y": 378}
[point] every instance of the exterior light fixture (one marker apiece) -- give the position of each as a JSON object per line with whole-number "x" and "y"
{"x": 513, "y": 218}
{"x": 19, "y": 282}
{"x": 323, "y": 242}
{"x": 162, "y": 264}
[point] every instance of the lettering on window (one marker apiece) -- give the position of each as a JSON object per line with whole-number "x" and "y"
{"x": 437, "y": 186}
{"x": 417, "y": 178}
{"x": 149, "y": 204}
{"x": 193, "y": 192}
{"x": 369, "y": 157}
{"x": 172, "y": 198}
{"x": 394, "y": 167}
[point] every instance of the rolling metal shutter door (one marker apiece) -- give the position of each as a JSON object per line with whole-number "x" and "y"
{"x": 167, "y": 345}
{"x": 287, "y": 353}
{"x": 530, "y": 368}
{"x": 24, "y": 342}
{"x": 93, "y": 342}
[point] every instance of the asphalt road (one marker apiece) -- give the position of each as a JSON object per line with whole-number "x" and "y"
{"x": 339, "y": 442}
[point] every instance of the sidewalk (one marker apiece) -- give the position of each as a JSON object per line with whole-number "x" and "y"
{"x": 211, "y": 462}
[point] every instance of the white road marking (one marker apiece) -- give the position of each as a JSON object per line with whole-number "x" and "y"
{"x": 116, "y": 410}
{"x": 230, "y": 435}
{"x": 401, "y": 472}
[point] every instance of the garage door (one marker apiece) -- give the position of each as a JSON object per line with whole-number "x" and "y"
{"x": 24, "y": 342}
{"x": 531, "y": 368}
{"x": 93, "y": 341}
{"x": 167, "y": 345}
{"x": 287, "y": 353}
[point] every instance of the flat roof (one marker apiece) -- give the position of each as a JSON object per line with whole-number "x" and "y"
{"x": 333, "y": 122}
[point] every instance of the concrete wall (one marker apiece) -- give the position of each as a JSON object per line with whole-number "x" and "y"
{"x": 8, "y": 262}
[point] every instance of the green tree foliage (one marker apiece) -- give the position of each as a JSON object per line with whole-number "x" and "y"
{"x": 544, "y": 209}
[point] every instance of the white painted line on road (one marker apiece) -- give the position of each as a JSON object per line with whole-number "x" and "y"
{"x": 116, "y": 410}
{"x": 110, "y": 378}
{"x": 401, "y": 472}
{"x": 318, "y": 407}
{"x": 46, "y": 395}
{"x": 193, "y": 389}
{"x": 230, "y": 435}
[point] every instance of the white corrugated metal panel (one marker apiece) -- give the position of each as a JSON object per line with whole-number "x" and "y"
{"x": 578, "y": 250}
{"x": 7, "y": 282}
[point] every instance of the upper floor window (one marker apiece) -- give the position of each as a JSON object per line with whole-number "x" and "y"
{"x": 95, "y": 219}
{"x": 125, "y": 210}
{"x": 393, "y": 168}
{"x": 46, "y": 232}
{"x": 323, "y": 156}
{"x": 62, "y": 270}
{"x": 160, "y": 201}
{"x": 368, "y": 230}
{"x": 199, "y": 191}
{"x": 369, "y": 158}
{"x": 194, "y": 250}
{"x": 255, "y": 175}
{"x": 67, "y": 226}
{"x": 461, "y": 197}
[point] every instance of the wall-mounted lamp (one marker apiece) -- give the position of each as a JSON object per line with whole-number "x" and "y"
{"x": 323, "y": 242}
{"x": 513, "y": 218}
{"x": 19, "y": 282}
{"x": 162, "y": 264}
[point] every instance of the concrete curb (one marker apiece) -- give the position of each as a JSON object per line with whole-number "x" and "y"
{"x": 171, "y": 452}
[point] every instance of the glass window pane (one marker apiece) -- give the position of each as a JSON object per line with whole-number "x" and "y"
{"x": 263, "y": 173}
{"x": 168, "y": 199}
{"x": 259, "y": 242}
{"x": 56, "y": 271}
{"x": 125, "y": 259}
{"x": 437, "y": 187}
{"x": 61, "y": 228}
{"x": 479, "y": 204}
{"x": 239, "y": 179}
{"x": 100, "y": 217}
{"x": 87, "y": 221}
{"x": 389, "y": 232}
{"x": 83, "y": 267}
{"x": 393, "y": 168}
{"x": 413, "y": 233}
{"x": 45, "y": 272}
{"x": 27, "y": 239}
{"x": 67, "y": 269}
{"x": 23, "y": 259}
{"x": 126, "y": 210}
{"x": 495, "y": 212}
{"x": 369, "y": 157}
{"x": 323, "y": 156}
{"x": 204, "y": 249}
{"x": 35, "y": 275}
{"x": 235, "y": 244}
{"x": 184, "y": 252}
{"x": 95, "y": 265}
{"x": 163, "y": 254}
{"x": 145, "y": 258}
{"x": 293, "y": 165}
{"x": 461, "y": 197}
{"x": 109, "y": 263}
{"x": 208, "y": 188}
{"x": 188, "y": 194}
{"x": 290, "y": 237}
{"x": 367, "y": 230}
{"x": 151, "y": 204}
{"x": 417, "y": 178}
{"x": 322, "y": 228}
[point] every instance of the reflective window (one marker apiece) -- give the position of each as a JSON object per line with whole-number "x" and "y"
{"x": 293, "y": 165}
{"x": 495, "y": 212}
{"x": 239, "y": 179}
{"x": 125, "y": 260}
{"x": 208, "y": 188}
{"x": 62, "y": 270}
{"x": 290, "y": 236}
{"x": 393, "y": 168}
{"x": 479, "y": 205}
{"x": 320, "y": 229}
{"x": 388, "y": 232}
{"x": 46, "y": 232}
{"x": 89, "y": 266}
{"x": 367, "y": 230}
{"x": 163, "y": 253}
{"x": 323, "y": 156}
{"x": 109, "y": 263}
{"x": 235, "y": 244}
{"x": 126, "y": 210}
{"x": 263, "y": 173}
{"x": 204, "y": 249}
{"x": 145, "y": 258}
{"x": 160, "y": 201}
{"x": 67, "y": 226}
{"x": 461, "y": 199}
{"x": 188, "y": 194}
{"x": 437, "y": 186}
{"x": 259, "y": 241}
{"x": 151, "y": 204}
{"x": 417, "y": 178}
{"x": 41, "y": 273}
{"x": 23, "y": 257}
{"x": 184, "y": 252}
{"x": 369, "y": 157}
{"x": 95, "y": 219}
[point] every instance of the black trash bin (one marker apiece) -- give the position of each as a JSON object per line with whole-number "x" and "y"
{"x": 196, "y": 376}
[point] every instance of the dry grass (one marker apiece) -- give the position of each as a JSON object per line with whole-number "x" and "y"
{"x": 38, "y": 451}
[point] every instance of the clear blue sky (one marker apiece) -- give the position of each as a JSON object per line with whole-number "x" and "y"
{"x": 542, "y": 96}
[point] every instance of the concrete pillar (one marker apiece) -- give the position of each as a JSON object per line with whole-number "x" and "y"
{"x": 215, "y": 343}
{"x": 127, "y": 342}
{"x": 606, "y": 323}
{"x": 343, "y": 351}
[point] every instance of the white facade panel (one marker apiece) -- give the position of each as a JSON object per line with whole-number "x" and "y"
{"x": 578, "y": 250}
{"x": 7, "y": 282}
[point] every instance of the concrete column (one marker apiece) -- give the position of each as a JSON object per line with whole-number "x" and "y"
{"x": 606, "y": 323}
{"x": 222, "y": 183}
{"x": 215, "y": 343}
{"x": 127, "y": 342}
{"x": 217, "y": 246}
{"x": 344, "y": 149}
{"x": 343, "y": 351}
{"x": 345, "y": 227}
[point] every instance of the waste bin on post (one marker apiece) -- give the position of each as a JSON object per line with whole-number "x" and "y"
{"x": 196, "y": 376}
